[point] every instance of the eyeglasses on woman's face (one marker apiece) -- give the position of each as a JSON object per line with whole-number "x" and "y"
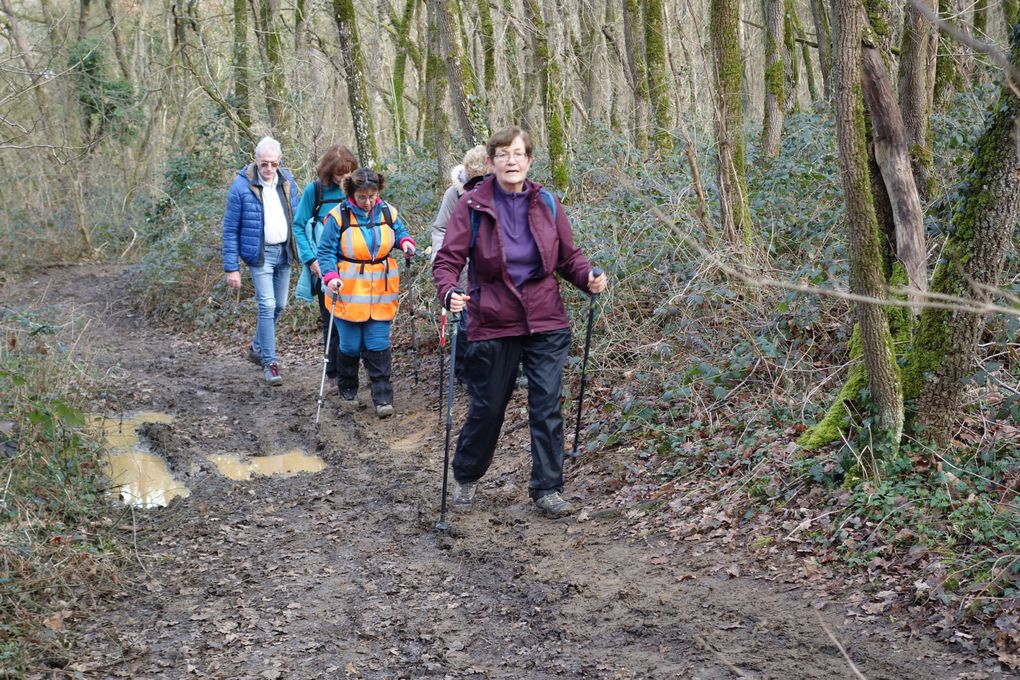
{"x": 367, "y": 197}
{"x": 504, "y": 157}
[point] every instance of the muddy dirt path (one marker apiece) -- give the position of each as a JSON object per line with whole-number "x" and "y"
{"x": 342, "y": 574}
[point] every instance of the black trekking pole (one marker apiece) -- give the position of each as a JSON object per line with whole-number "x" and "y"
{"x": 442, "y": 361}
{"x": 574, "y": 453}
{"x": 414, "y": 326}
{"x": 325, "y": 359}
{"x": 454, "y": 320}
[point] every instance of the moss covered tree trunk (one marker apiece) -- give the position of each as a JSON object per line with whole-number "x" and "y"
{"x": 488, "y": 49}
{"x": 985, "y": 218}
{"x": 658, "y": 89}
{"x": 947, "y": 72}
{"x": 775, "y": 79}
{"x": 915, "y": 93}
{"x": 460, "y": 77}
{"x": 242, "y": 98}
{"x": 734, "y": 210}
{"x": 437, "y": 131}
{"x": 275, "y": 79}
{"x": 405, "y": 50}
{"x": 792, "y": 64}
{"x": 1010, "y": 11}
{"x": 866, "y": 265}
{"x": 354, "y": 73}
{"x": 549, "y": 90}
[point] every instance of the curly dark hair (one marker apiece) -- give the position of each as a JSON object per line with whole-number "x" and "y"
{"x": 363, "y": 178}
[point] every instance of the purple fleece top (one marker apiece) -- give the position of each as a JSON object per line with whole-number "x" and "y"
{"x": 519, "y": 248}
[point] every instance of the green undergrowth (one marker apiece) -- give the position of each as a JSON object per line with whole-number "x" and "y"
{"x": 57, "y": 548}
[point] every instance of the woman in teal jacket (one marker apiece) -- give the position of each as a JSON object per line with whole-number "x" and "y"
{"x": 336, "y": 163}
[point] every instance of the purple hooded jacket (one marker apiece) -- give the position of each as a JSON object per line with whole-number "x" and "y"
{"x": 496, "y": 308}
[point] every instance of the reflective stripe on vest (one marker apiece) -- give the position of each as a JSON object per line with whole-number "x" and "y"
{"x": 370, "y": 277}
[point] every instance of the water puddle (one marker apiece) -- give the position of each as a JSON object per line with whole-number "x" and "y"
{"x": 141, "y": 478}
{"x": 283, "y": 464}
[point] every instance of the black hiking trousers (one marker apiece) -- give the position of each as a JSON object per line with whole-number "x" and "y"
{"x": 491, "y": 371}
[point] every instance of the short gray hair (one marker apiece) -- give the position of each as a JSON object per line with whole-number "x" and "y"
{"x": 268, "y": 144}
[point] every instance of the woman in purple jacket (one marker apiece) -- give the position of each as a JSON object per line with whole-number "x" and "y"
{"x": 516, "y": 238}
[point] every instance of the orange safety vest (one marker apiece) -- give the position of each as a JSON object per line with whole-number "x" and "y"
{"x": 371, "y": 280}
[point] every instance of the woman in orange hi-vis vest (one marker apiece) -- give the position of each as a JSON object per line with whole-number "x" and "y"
{"x": 354, "y": 257}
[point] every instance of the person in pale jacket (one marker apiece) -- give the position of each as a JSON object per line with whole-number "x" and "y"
{"x": 463, "y": 178}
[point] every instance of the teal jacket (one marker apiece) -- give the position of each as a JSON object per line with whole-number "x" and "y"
{"x": 307, "y": 234}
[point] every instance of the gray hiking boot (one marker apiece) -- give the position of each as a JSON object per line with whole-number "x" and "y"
{"x": 554, "y": 505}
{"x": 271, "y": 372}
{"x": 384, "y": 410}
{"x": 464, "y": 495}
{"x": 254, "y": 356}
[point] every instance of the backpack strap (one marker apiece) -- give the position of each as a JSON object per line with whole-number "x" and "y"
{"x": 318, "y": 199}
{"x": 549, "y": 201}
{"x": 345, "y": 217}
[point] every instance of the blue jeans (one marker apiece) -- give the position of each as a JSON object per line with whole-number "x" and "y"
{"x": 272, "y": 283}
{"x": 371, "y": 335}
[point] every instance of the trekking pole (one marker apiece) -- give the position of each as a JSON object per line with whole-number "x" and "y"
{"x": 442, "y": 361}
{"x": 455, "y": 319}
{"x": 414, "y": 326}
{"x": 325, "y": 360}
{"x": 574, "y": 453}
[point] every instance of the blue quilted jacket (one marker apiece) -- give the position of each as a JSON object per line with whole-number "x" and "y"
{"x": 243, "y": 222}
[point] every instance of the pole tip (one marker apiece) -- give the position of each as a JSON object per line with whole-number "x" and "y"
{"x": 597, "y": 271}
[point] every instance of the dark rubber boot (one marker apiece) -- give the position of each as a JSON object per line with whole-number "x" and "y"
{"x": 347, "y": 376}
{"x": 378, "y": 365}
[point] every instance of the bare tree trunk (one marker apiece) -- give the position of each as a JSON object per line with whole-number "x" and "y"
{"x": 866, "y": 275}
{"x": 775, "y": 79}
{"x": 354, "y": 74}
{"x": 805, "y": 55}
{"x": 984, "y": 220}
{"x": 83, "y": 19}
{"x": 118, "y": 48}
{"x": 823, "y": 32}
{"x": 915, "y": 88}
{"x": 519, "y": 105}
{"x": 891, "y": 155}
